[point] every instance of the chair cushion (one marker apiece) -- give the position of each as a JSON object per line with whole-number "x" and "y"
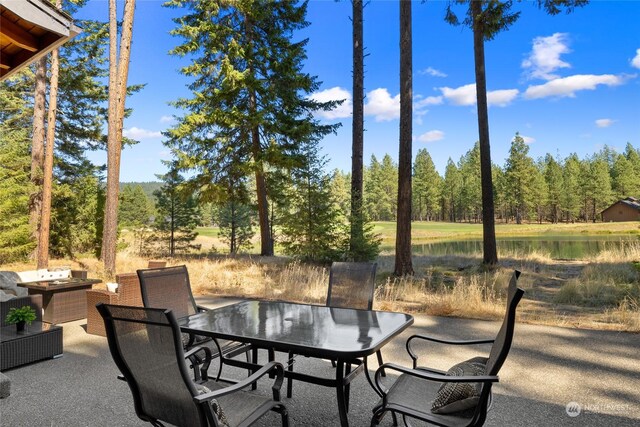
{"x": 215, "y": 406}
{"x": 456, "y": 397}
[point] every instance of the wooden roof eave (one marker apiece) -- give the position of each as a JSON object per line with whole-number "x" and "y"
{"x": 58, "y": 27}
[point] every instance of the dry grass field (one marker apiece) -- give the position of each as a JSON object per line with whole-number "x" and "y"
{"x": 601, "y": 292}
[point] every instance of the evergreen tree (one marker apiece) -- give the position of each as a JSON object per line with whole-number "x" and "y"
{"x": 15, "y": 163}
{"x": 470, "y": 199}
{"x": 633, "y": 156}
{"x": 601, "y": 187}
{"x": 427, "y": 187}
{"x": 133, "y": 209}
{"x": 76, "y": 226}
{"x": 451, "y": 190}
{"x": 519, "y": 175}
{"x": 624, "y": 179}
{"x": 235, "y": 220}
{"x": 250, "y": 110}
{"x": 310, "y": 229}
{"x": 340, "y": 192}
{"x": 501, "y": 194}
{"x": 177, "y": 214}
{"x": 381, "y": 187}
{"x": 555, "y": 189}
{"x": 571, "y": 188}
{"x": 539, "y": 195}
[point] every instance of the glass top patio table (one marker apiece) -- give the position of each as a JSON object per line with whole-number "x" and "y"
{"x": 345, "y": 335}
{"x": 312, "y": 330}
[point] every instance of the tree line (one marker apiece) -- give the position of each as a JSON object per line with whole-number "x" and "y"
{"x": 548, "y": 189}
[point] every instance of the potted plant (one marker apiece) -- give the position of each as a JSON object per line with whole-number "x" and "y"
{"x": 21, "y": 316}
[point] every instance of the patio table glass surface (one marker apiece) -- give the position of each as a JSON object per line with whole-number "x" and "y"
{"x": 318, "y": 331}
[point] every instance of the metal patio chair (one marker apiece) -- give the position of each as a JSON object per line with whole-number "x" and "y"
{"x": 351, "y": 285}
{"x": 410, "y": 395}
{"x": 146, "y": 345}
{"x": 170, "y": 288}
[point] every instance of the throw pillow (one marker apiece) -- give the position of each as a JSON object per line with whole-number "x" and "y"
{"x": 215, "y": 406}
{"x": 457, "y": 397}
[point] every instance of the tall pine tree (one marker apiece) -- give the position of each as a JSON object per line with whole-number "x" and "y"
{"x": 250, "y": 105}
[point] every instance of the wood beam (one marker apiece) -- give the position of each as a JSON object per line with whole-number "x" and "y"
{"x": 5, "y": 61}
{"x": 18, "y": 35}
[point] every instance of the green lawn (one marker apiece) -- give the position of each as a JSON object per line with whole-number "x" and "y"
{"x": 427, "y": 231}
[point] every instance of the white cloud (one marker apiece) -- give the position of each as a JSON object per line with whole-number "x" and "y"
{"x": 544, "y": 58}
{"x": 501, "y": 98}
{"x": 335, "y": 94}
{"x": 382, "y": 106}
{"x": 604, "y": 123}
{"x": 431, "y": 136}
{"x": 635, "y": 62}
{"x": 166, "y": 119}
{"x": 568, "y": 86}
{"x": 139, "y": 133}
{"x": 463, "y": 95}
{"x": 432, "y": 72}
{"x": 425, "y": 102}
{"x": 526, "y": 139}
{"x": 466, "y": 95}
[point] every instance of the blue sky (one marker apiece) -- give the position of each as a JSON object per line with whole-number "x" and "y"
{"x": 567, "y": 83}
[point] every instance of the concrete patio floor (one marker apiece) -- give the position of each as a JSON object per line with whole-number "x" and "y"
{"x": 547, "y": 368}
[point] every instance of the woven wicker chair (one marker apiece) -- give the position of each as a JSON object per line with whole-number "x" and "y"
{"x": 170, "y": 288}
{"x": 146, "y": 346}
{"x": 411, "y": 394}
{"x": 128, "y": 293}
{"x": 351, "y": 285}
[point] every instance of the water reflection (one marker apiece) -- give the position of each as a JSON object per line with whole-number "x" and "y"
{"x": 564, "y": 248}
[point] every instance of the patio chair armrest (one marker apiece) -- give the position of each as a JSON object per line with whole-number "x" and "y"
{"x": 204, "y": 365}
{"x": 271, "y": 367}
{"x": 414, "y": 356}
{"x": 432, "y": 376}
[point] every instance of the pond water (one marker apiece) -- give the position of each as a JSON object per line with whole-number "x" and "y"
{"x": 559, "y": 247}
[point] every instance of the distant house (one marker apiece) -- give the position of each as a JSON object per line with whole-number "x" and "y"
{"x": 623, "y": 210}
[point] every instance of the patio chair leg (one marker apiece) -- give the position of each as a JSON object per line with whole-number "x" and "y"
{"x": 284, "y": 415}
{"x": 290, "y": 380}
{"x": 254, "y": 359}
{"x": 347, "y": 388}
{"x": 380, "y": 362}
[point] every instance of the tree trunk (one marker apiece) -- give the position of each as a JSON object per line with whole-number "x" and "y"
{"x": 37, "y": 147}
{"x": 357, "y": 131}
{"x": 118, "y": 73}
{"x": 47, "y": 182}
{"x": 404, "y": 265}
{"x": 172, "y": 241}
{"x": 488, "y": 218}
{"x": 266, "y": 243}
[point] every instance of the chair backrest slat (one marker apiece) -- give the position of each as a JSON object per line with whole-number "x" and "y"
{"x": 145, "y": 344}
{"x": 168, "y": 288}
{"x": 352, "y": 285}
